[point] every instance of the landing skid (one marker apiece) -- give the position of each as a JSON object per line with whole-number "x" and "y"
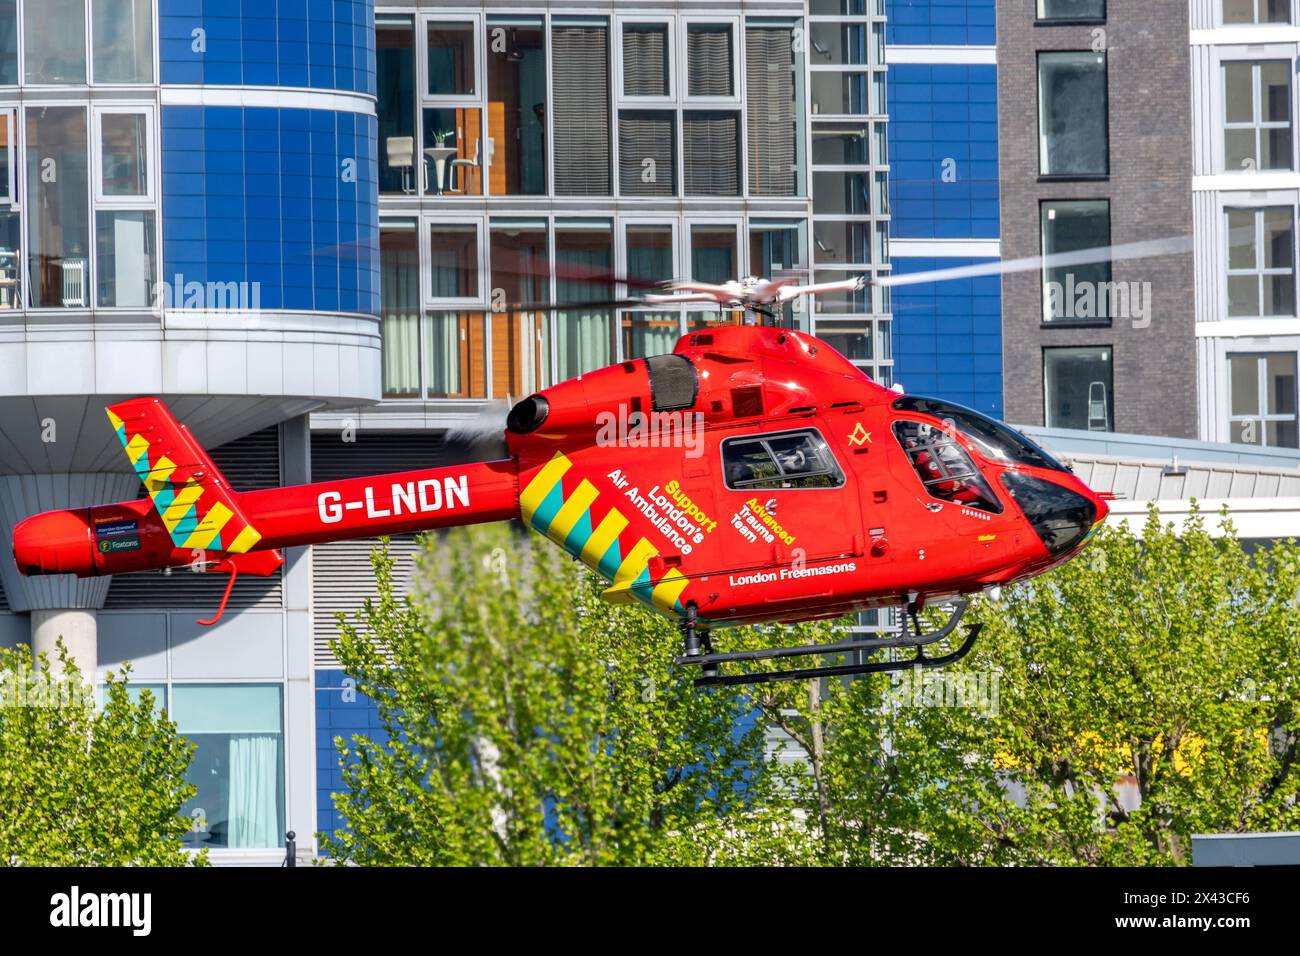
{"x": 698, "y": 653}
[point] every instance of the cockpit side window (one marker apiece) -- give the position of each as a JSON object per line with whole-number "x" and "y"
{"x": 943, "y": 466}
{"x": 995, "y": 440}
{"x": 791, "y": 459}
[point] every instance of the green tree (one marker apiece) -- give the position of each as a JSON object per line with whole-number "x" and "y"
{"x": 1163, "y": 662}
{"x": 528, "y": 722}
{"x": 82, "y": 785}
{"x": 532, "y": 723}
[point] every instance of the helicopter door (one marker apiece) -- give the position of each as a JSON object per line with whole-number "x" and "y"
{"x": 785, "y": 498}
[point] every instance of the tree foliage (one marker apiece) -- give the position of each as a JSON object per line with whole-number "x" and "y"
{"x": 1137, "y": 695}
{"x": 82, "y": 785}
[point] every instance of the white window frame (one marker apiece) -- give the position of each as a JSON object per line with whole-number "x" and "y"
{"x": 13, "y": 113}
{"x": 1259, "y": 272}
{"x": 684, "y": 25}
{"x": 1041, "y": 17}
{"x": 91, "y": 252}
{"x": 427, "y": 222}
{"x": 1257, "y": 124}
{"x": 555, "y": 225}
{"x": 426, "y": 101}
{"x": 147, "y": 203}
{"x": 719, "y": 223}
{"x": 1256, "y": 22}
{"x": 621, "y": 226}
{"x": 861, "y": 267}
{"x": 102, "y": 199}
{"x": 616, "y": 42}
{"x": 1263, "y": 418}
{"x": 155, "y": 40}
{"x": 423, "y": 19}
{"x": 90, "y": 66}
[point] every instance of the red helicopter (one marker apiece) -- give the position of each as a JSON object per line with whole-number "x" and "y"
{"x": 772, "y": 481}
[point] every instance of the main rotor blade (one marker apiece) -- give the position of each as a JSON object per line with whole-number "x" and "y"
{"x": 599, "y": 306}
{"x": 1148, "y": 249}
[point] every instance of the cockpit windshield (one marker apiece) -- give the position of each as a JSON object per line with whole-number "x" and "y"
{"x": 995, "y": 440}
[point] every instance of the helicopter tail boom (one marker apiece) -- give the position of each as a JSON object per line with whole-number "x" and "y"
{"x": 136, "y": 536}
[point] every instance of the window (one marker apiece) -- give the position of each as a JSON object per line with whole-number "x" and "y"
{"x": 123, "y": 40}
{"x": 1073, "y": 120}
{"x": 844, "y": 302}
{"x": 1263, "y": 399}
{"x": 455, "y": 345}
{"x": 238, "y": 763}
{"x": 792, "y": 459}
{"x": 520, "y": 276}
{"x": 1076, "y": 293}
{"x": 447, "y": 347}
{"x": 453, "y": 152}
{"x": 650, "y": 254}
{"x": 840, "y": 92}
{"x": 1257, "y": 116}
{"x": 1256, "y": 11}
{"x": 396, "y": 86}
{"x": 710, "y": 60}
{"x": 124, "y": 172}
{"x": 842, "y": 144}
{"x": 775, "y": 111}
{"x": 850, "y": 339}
{"x": 1078, "y": 387}
{"x": 647, "y": 153}
{"x": 842, "y": 242}
{"x": 650, "y": 260}
{"x": 777, "y": 248}
{"x": 8, "y": 147}
{"x": 8, "y": 42}
{"x": 944, "y": 467}
{"x": 993, "y": 439}
{"x": 517, "y": 107}
{"x": 649, "y": 333}
{"x": 838, "y": 8}
{"x": 584, "y": 269}
{"x": 454, "y": 261}
{"x": 399, "y": 299}
{"x": 1261, "y": 261}
{"x": 838, "y": 44}
{"x": 1072, "y": 11}
{"x": 58, "y": 185}
{"x": 450, "y": 52}
{"x": 646, "y": 69}
{"x": 54, "y": 41}
{"x": 714, "y": 254}
{"x": 711, "y": 153}
{"x": 125, "y": 258}
{"x": 582, "y": 110}
{"x": 842, "y": 193}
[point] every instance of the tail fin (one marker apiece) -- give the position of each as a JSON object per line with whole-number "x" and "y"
{"x": 193, "y": 498}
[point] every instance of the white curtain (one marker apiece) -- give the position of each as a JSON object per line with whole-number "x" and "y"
{"x": 254, "y": 805}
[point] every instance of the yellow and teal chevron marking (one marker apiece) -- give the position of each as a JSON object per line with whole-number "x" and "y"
{"x": 192, "y": 521}
{"x": 566, "y": 517}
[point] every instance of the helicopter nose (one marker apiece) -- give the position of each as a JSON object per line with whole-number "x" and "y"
{"x": 1062, "y": 517}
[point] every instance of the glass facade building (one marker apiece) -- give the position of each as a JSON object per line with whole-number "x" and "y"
{"x": 299, "y": 221}
{"x": 561, "y": 158}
